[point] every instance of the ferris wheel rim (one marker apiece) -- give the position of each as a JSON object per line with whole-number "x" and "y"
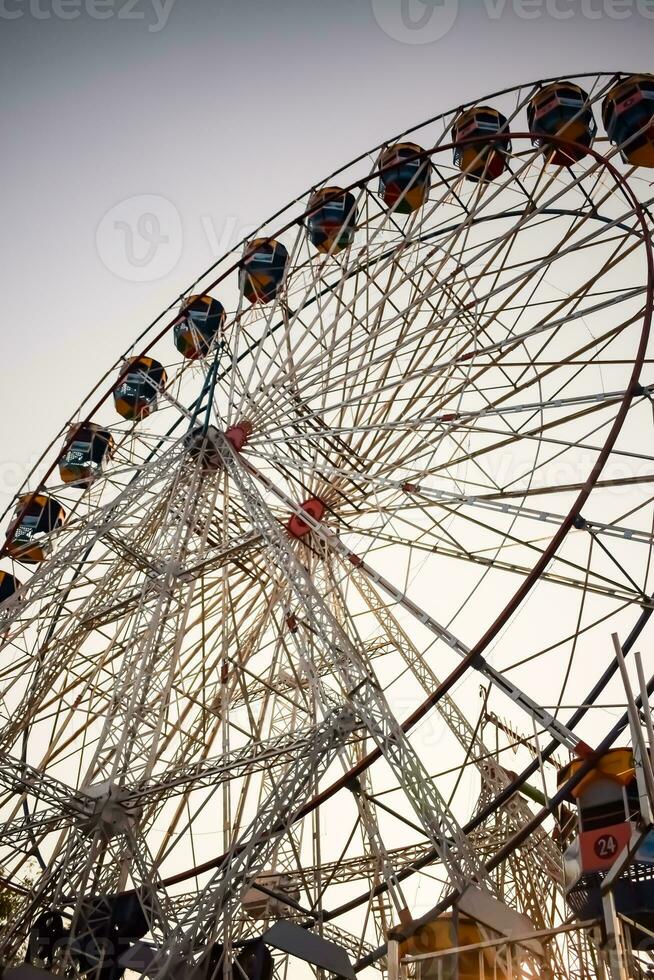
{"x": 298, "y": 221}
{"x": 175, "y": 303}
{"x": 492, "y": 807}
{"x": 630, "y": 392}
{"x": 534, "y": 575}
{"x": 626, "y": 401}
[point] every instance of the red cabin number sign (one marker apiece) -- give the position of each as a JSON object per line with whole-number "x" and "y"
{"x": 600, "y": 848}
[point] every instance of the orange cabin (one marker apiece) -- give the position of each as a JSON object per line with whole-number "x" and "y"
{"x": 263, "y": 269}
{"x": 482, "y": 159}
{"x": 446, "y": 933}
{"x": 135, "y": 395}
{"x": 562, "y": 109}
{"x": 628, "y": 114}
{"x": 36, "y": 517}
{"x": 9, "y": 585}
{"x": 201, "y": 318}
{"x": 87, "y": 450}
{"x": 405, "y": 178}
{"x": 332, "y": 219}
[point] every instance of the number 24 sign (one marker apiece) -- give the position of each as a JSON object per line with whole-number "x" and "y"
{"x": 600, "y": 848}
{"x": 606, "y": 846}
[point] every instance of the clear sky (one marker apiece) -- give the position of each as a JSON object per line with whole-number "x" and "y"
{"x": 210, "y": 115}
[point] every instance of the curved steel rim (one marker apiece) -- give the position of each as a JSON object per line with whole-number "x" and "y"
{"x": 295, "y": 221}
{"x": 475, "y": 655}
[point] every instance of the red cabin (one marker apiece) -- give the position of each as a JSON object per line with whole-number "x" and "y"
{"x": 35, "y": 518}
{"x": 482, "y": 159}
{"x": 405, "y": 178}
{"x": 88, "y": 449}
{"x": 628, "y": 114}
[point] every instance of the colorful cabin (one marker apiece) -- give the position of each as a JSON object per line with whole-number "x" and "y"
{"x": 299, "y": 528}
{"x": 106, "y": 928}
{"x": 562, "y": 109}
{"x": 454, "y": 944}
{"x": 332, "y": 220}
{"x": 47, "y": 935}
{"x": 628, "y": 110}
{"x": 259, "y": 905}
{"x": 481, "y": 159}
{"x": 263, "y": 269}
{"x": 87, "y": 450}
{"x": 200, "y": 320}
{"x": 447, "y": 933}
{"x": 36, "y": 516}
{"x": 135, "y": 395}
{"x": 405, "y": 178}
{"x": 252, "y": 961}
{"x": 608, "y": 811}
{"x": 9, "y": 585}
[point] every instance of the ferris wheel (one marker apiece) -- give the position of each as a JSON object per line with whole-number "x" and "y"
{"x": 308, "y": 607}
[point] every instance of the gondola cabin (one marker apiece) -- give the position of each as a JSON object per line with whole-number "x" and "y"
{"x": 332, "y": 219}
{"x": 608, "y": 812}
{"x": 261, "y": 905}
{"x": 135, "y": 395}
{"x": 106, "y": 927}
{"x": 263, "y": 269}
{"x": 87, "y": 450}
{"x": 442, "y": 935}
{"x": 47, "y": 937}
{"x": 453, "y": 944}
{"x": 405, "y": 177}
{"x": 562, "y": 110}
{"x": 251, "y": 960}
{"x": 481, "y": 158}
{"x": 35, "y": 518}
{"x": 9, "y": 585}
{"x": 201, "y": 318}
{"x": 628, "y": 114}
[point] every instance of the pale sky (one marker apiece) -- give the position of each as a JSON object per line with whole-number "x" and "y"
{"x": 225, "y": 109}
{"x": 211, "y": 115}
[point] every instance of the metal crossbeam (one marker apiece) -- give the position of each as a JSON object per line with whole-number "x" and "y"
{"x": 365, "y": 694}
{"x": 542, "y": 717}
{"x": 251, "y": 852}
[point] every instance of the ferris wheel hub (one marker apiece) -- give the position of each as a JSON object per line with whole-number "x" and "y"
{"x": 110, "y": 813}
{"x": 204, "y": 443}
{"x": 296, "y": 526}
